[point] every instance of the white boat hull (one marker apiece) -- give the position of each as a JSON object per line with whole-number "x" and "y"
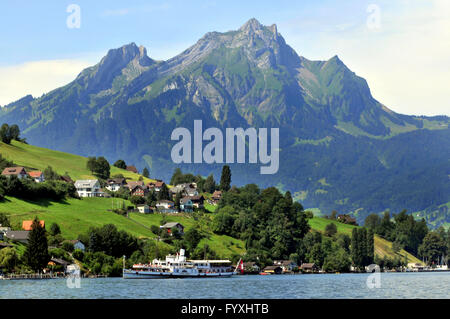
{"x": 131, "y": 274}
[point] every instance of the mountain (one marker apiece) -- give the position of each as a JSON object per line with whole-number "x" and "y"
{"x": 340, "y": 149}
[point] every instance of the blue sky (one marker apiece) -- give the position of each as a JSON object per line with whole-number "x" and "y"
{"x": 38, "y": 52}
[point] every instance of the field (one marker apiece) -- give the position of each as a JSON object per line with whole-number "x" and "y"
{"x": 38, "y": 158}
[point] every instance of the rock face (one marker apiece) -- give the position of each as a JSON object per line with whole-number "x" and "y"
{"x": 339, "y": 146}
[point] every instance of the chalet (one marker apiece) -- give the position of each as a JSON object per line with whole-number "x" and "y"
{"x": 88, "y": 188}
{"x": 15, "y": 171}
{"x": 189, "y": 191}
{"x": 166, "y": 206}
{"x": 159, "y": 185}
{"x": 273, "y": 270}
{"x": 197, "y": 201}
{"x": 77, "y": 244}
{"x": 37, "y": 176}
{"x": 144, "y": 209}
{"x": 346, "y": 219}
{"x": 309, "y": 267}
{"x": 133, "y": 184}
{"x": 186, "y": 205}
{"x": 114, "y": 184}
{"x": 139, "y": 191}
{"x": 216, "y": 196}
{"x": 18, "y": 235}
{"x": 286, "y": 265}
{"x": 132, "y": 168}
{"x": 26, "y": 224}
{"x": 170, "y": 226}
{"x": 58, "y": 262}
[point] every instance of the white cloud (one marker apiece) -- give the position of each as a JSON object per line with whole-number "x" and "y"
{"x": 37, "y": 77}
{"x": 406, "y": 62}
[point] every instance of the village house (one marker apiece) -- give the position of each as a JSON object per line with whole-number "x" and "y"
{"x": 186, "y": 205}
{"x": 216, "y": 196}
{"x": 114, "y": 184}
{"x": 170, "y": 226}
{"x": 309, "y": 267}
{"x": 38, "y": 176}
{"x": 166, "y": 206}
{"x": 20, "y": 236}
{"x": 15, "y": 171}
{"x": 197, "y": 201}
{"x": 88, "y": 188}
{"x": 58, "y": 262}
{"x": 273, "y": 270}
{"x": 286, "y": 265}
{"x": 159, "y": 185}
{"x": 346, "y": 219}
{"x": 144, "y": 209}
{"x": 139, "y": 191}
{"x": 26, "y": 224}
{"x": 77, "y": 244}
{"x": 132, "y": 168}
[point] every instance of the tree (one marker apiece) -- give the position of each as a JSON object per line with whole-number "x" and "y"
{"x": 330, "y": 230}
{"x": 4, "y": 220}
{"x": 145, "y": 172}
{"x": 191, "y": 238}
{"x": 50, "y": 174}
{"x": 8, "y": 259}
{"x": 137, "y": 200}
{"x": 163, "y": 193}
{"x": 99, "y": 167}
{"x": 54, "y": 229}
{"x": 372, "y": 221}
{"x": 120, "y": 164}
{"x": 14, "y": 132}
{"x": 337, "y": 261}
{"x": 370, "y": 246}
{"x": 36, "y": 254}
{"x": 176, "y": 176}
{"x": 210, "y": 184}
{"x": 225, "y": 179}
{"x": 5, "y": 134}
{"x": 433, "y": 247}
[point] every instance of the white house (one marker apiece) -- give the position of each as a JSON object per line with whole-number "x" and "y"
{"x": 143, "y": 209}
{"x": 88, "y": 188}
{"x": 115, "y": 184}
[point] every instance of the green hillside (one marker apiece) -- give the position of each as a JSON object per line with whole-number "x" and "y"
{"x": 76, "y": 216}
{"x": 382, "y": 247}
{"x": 39, "y": 158}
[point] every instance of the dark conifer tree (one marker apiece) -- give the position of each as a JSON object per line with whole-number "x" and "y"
{"x": 225, "y": 179}
{"x": 36, "y": 254}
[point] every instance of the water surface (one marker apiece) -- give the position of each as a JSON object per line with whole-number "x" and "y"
{"x": 392, "y": 285}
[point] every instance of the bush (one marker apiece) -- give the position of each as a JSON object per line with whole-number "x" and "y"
{"x": 78, "y": 254}
{"x": 330, "y": 230}
{"x": 67, "y": 246}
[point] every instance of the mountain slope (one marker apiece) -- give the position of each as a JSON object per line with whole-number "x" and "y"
{"x": 340, "y": 148}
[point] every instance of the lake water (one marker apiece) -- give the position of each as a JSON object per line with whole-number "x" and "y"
{"x": 391, "y": 285}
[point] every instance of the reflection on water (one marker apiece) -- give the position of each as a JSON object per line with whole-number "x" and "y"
{"x": 393, "y": 285}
